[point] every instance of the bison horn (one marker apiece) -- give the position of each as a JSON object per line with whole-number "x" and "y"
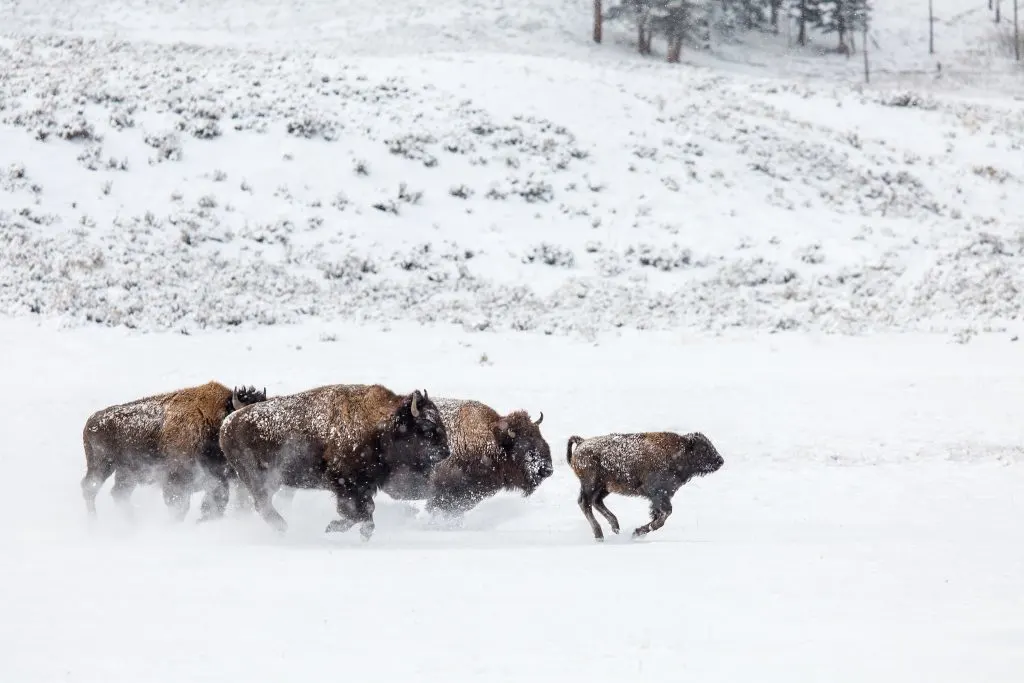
{"x": 412, "y": 407}
{"x": 540, "y": 419}
{"x": 234, "y": 399}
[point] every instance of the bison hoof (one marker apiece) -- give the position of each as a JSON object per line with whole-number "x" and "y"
{"x": 639, "y": 533}
{"x": 366, "y": 531}
{"x": 338, "y": 526}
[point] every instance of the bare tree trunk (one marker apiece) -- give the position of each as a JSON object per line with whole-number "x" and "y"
{"x": 675, "y": 48}
{"x": 1016, "y": 33}
{"x": 801, "y": 36}
{"x": 643, "y": 38}
{"x": 999, "y": 14}
{"x": 864, "y": 39}
{"x": 598, "y": 21}
{"x": 774, "y": 6}
{"x": 931, "y": 29}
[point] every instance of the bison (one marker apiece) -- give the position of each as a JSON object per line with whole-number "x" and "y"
{"x": 169, "y": 438}
{"x": 489, "y": 453}
{"x": 346, "y": 439}
{"x": 653, "y": 465}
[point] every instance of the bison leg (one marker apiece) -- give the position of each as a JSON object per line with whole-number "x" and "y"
{"x": 215, "y": 501}
{"x": 585, "y": 505}
{"x": 96, "y": 475}
{"x": 354, "y": 507}
{"x": 605, "y": 512}
{"x": 177, "y": 491}
{"x": 661, "y": 508}
{"x": 255, "y": 482}
{"x": 125, "y": 481}
{"x": 242, "y": 497}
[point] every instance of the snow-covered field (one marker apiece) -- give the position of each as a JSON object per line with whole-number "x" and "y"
{"x": 866, "y": 525}
{"x": 470, "y": 197}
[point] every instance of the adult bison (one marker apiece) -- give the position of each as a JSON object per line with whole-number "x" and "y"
{"x": 345, "y": 438}
{"x": 170, "y": 439}
{"x": 489, "y": 453}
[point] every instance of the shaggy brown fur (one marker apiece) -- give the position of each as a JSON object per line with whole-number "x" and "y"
{"x": 653, "y": 465}
{"x": 169, "y": 438}
{"x": 343, "y": 438}
{"x": 489, "y": 453}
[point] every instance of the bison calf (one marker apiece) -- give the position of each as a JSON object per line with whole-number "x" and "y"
{"x": 489, "y": 453}
{"x": 653, "y": 465}
{"x": 346, "y": 439}
{"x": 167, "y": 438}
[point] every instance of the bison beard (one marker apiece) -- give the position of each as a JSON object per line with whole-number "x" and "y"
{"x": 345, "y": 439}
{"x": 171, "y": 438}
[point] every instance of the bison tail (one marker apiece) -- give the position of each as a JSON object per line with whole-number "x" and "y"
{"x": 573, "y": 441}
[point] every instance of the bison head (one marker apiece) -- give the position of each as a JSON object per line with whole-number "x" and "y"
{"x": 698, "y": 457}
{"x": 415, "y": 438}
{"x": 241, "y": 397}
{"x": 521, "y": 441}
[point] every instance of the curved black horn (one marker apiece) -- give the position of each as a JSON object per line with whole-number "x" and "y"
{"x": 412, "y": 407}
{"x": 540, "y": 419}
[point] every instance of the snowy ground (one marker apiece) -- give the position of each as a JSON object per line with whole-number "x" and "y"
{"x": 472, "y": 198}
{"x": 865, "y": 526}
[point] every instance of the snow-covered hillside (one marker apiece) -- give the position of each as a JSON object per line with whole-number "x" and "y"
{"x": 270, "y": 170}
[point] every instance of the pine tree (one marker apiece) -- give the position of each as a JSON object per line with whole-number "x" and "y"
{"x": 679, "y": 20}
{"x": 747, "y": 14}
{"x": 773, "y": 10}
{"x": 806, "y": 13}
{"x": 639, "y": 11}
{"x": 842, "y": 17}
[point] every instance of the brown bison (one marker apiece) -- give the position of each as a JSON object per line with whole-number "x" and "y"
{"x": 653, "y": 465}
{"x": 489, "y": 453}
{"x": 346, "y": 439}
{"x": 170, "y": 439}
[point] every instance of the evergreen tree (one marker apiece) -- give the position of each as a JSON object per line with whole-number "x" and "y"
{"x": 806, "y": 13}
{"x": 842, "y": 17}
{"x": 679, "y": 20}
{"x": 639, "y": 12}
{"x": 743, "y": 14}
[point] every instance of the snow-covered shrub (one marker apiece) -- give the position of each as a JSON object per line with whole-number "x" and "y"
{"x": 550, "y": 254}
{"x": 313, "y": 125}
{"x": 167, "y": 145}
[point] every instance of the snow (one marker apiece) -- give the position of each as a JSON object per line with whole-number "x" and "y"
{"x": 865, "y": 524}
{"x": 470, "y": 197}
